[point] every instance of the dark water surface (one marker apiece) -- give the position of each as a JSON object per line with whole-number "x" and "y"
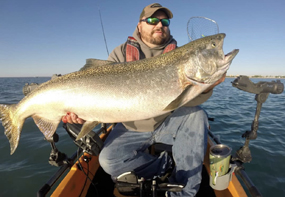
{"x": 27, "y": 170}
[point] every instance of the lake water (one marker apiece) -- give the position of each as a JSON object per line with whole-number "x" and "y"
{"x": 27, "y": 170}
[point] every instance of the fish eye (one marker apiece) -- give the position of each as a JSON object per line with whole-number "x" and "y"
{"x": 213, "y": 45}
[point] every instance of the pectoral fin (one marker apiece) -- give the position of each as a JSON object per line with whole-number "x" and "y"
{"x": 47, "y": 127}
{"x": 182, "y": 99}
{"x": 86, "y": 128}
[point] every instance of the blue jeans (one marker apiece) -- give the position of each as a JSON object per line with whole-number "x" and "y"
{"x": 186, "y": 129}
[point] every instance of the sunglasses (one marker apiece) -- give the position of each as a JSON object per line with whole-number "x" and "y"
{"x": 155, "y": 21}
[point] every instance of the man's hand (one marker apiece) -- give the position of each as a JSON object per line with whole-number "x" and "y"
{"x": 72, "y": 118}
{"x": 222, "y": 79}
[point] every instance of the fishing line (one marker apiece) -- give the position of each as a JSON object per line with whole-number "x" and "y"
{"x": 103, "y": 31}
{"x": 199, "y": 27}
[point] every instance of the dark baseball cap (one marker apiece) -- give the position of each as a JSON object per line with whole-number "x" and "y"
{"x": 149, "y": 10}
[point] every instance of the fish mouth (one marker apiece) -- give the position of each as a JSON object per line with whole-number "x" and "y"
{"x": 225, "y": 64}
{"x": 231, "y": 55}
{"x": 228, "y": 58}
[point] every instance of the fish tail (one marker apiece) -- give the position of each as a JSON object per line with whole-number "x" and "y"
{"x": 12, "y": 124}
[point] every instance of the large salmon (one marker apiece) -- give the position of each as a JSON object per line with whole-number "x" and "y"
{"x": 111, "y": 92}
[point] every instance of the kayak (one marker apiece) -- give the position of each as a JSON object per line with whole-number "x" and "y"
{"x": 87, "y": 178}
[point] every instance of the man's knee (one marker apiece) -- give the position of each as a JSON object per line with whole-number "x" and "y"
{"x": 197, "y": 110}
{"x": 104, "y": 162}
{"x": 111, "y": 160}
{"x": 107, "y": 162}
{"x": 194, "y": 113}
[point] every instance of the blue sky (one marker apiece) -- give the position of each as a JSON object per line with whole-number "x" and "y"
{"x": 41, "y": 38}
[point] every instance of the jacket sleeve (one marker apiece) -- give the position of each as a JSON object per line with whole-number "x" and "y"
{"x": 118, "y": 54}
{"x": 199, "y": 99}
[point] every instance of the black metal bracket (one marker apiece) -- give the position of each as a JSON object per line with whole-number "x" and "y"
{"x": 262, "y": 91}
{"x": 56, "y": 158}
{"x": 91, "y": 143}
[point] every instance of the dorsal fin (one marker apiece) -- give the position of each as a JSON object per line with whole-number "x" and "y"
{"x": 90, "y": 63}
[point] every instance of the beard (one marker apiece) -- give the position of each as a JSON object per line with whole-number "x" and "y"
{"x": 158, "y": 40}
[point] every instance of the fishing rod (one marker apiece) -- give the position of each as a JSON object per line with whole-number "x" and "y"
{"x": 103, "y": 125}
{"x": 103, "y": 31}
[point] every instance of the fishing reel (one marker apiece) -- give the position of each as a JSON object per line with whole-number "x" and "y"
{"x": 262, "y": 90}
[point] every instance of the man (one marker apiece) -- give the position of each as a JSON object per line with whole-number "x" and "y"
{"x": 185, "y": 128}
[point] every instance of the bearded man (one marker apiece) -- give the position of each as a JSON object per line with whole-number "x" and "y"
{"x": 185, "y": 128}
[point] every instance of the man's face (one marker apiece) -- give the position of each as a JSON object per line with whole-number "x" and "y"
{"x": 154, "y": 34}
